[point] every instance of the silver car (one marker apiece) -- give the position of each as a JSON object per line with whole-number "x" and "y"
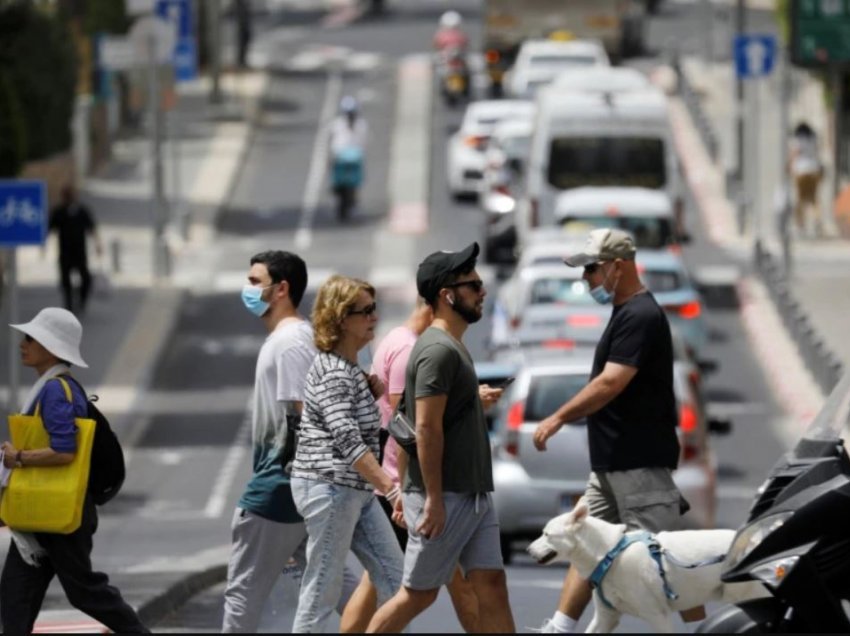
{"x": 532, "y": 487}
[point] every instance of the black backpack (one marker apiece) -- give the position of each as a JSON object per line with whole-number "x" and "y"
{"x": 107, "y": 459}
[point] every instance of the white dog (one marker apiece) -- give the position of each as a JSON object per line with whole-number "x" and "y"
{"x": 633, "y": 584}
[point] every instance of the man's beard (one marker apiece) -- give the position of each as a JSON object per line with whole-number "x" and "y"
{"x": 469, "y": 313}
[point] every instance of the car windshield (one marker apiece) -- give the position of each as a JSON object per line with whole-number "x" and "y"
{"x": 607, "y": 161}
{"x": 546, "y": 291}
{"x": 549, "y": 392}
{"x": 660, "y": 281}
{"x": 650, "y": 232}
{"x": 516, "y": 147}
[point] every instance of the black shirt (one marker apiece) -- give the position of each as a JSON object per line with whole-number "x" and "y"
{"x": 637, "y": 429}
{"x": 72, "y": 222}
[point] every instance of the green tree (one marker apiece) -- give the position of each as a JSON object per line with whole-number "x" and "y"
{"x": 37, "y": 83}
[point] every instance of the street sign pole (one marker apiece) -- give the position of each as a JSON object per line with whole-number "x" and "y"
{"x": 159, "y": 258}
{"x": 14, "y": 352}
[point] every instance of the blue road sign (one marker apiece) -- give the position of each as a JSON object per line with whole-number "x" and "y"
{"x": 23, "y": 213}
{"x": 185, "y": 51}
{"x": 755, "y": 55}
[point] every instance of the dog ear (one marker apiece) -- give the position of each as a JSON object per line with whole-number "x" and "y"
{"x": 580, "y": 512}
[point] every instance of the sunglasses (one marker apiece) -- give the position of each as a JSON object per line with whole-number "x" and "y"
{"x": 474, "y": 285}
{"x": 591, "y": 269}
{"x": 367, "y": 311}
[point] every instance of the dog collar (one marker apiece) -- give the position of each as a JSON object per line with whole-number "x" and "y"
{"x": 655, "y": 550}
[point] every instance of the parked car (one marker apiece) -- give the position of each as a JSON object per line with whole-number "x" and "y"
{"x": 465, "y": 160}
{"x": 532, "y": 487}
{"x": 506, "y": 156}
{"x": 539, "y": 61}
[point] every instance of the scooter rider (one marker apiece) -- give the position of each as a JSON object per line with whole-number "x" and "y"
{"x": 450, "y": 34}
{"x": 349, "y": 128}
{"x": 347, "y": 142}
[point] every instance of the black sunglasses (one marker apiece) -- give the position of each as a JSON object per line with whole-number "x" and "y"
{"x": 474, "y": 285}
{"x": 367, "y": 311}
{"x": 591, "y": 269}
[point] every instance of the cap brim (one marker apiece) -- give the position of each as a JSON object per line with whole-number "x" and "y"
{"x": 470, "y": 253}
{"x": 581, "y": 259}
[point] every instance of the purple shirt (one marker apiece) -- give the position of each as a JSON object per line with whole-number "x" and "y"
{"x": 58, "y": 414}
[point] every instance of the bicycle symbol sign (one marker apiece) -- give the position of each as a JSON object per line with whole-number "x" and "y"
{"x": 23, "y": 213}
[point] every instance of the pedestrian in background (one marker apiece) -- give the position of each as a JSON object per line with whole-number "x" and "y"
{"x": 807, "y": 171}
{"x": 51, "y": 344}
{"x": 244, "y": 31}
{"x": 390, "y": 365}
{"x": 630, "y": 408}
{"x": 447, "y": 503}
{"x": 73, "y": 223}
{"x": 336, "y": 469}
{"x": 267, "y": 530}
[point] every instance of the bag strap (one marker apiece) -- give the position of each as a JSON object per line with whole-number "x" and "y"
{"x": 65, "y": 386}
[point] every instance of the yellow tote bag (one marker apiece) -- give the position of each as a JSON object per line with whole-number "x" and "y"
{"x": 47, "y": 498}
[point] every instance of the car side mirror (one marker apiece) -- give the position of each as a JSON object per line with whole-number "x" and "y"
{"x": 719, "y": 426}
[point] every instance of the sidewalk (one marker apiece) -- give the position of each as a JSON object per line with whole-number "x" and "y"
{"x": 816, "y": 291}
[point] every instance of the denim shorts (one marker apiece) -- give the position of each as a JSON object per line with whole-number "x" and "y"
{"x": 643, "y": 498}
{"x": 470, "y": 538}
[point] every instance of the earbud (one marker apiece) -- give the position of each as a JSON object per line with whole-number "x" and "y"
{"x": 450, "y": 300}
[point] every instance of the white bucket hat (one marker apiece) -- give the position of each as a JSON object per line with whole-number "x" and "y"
{"x": 58, "y": 331}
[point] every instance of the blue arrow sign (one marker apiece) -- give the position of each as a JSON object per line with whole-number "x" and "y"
{"x": 179, "y": 12}
{"x": 755, "y": 55}
{"x": 23, "y": 213}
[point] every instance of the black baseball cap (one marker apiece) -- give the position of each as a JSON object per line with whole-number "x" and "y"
{"x": 436, "y": 269}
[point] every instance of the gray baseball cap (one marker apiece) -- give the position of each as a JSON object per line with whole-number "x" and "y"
{"x": 604, "y": 244}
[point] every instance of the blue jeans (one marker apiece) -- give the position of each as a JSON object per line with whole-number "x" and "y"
{"x": 339, "y": 518}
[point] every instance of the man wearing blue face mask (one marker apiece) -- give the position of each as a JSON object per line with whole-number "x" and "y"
{"x": 267, "y": 529}
{"x": 630, "y": 409}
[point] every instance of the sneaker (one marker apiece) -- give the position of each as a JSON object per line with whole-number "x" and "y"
{"x": 548, "y": 627}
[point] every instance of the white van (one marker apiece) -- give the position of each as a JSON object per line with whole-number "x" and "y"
{"x": 597, "y": 138}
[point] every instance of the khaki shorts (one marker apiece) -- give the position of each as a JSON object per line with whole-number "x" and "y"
{"x": 644, "y": 498}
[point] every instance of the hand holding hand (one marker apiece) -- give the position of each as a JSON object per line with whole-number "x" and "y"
{"x": 398, "y": 514}
{"x": 433, "y": 518}
{"x": 546, "y": 429}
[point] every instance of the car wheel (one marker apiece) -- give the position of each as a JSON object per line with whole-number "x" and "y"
{"x": 506, "y": 541}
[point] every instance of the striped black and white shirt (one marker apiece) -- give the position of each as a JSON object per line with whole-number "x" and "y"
{"x": 339, "y": 424}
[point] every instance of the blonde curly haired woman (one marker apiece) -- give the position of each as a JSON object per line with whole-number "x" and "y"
{"x": 336, "y": 469}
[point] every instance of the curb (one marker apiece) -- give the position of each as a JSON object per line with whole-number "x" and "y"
{"x": 178, "y": 593}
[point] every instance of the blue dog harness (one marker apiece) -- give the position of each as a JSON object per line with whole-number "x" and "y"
{"x": 605, "y": 564}
{"x": 655, "y": 551}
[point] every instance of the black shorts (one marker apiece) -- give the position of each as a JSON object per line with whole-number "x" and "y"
{"x": 400, "y": 533}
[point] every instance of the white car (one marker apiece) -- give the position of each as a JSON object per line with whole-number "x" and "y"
{"x": 465, "y": 159}
{"x": 538, "y": 62}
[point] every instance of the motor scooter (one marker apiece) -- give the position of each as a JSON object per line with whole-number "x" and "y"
{"x": 796, "y": 539}
{"x": 454, "y": 76}
{"x": 346, "y": 178}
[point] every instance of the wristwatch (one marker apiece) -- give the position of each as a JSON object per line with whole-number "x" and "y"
{"x": 18, "y": 462}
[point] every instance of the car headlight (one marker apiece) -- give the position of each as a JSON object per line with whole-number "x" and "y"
{"x": 774, "y": 572}
{"x": 748, "y": 538}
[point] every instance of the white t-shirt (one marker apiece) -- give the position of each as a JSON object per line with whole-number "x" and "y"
{"x": 343, "y": 135}
{"x": 282, "y": 366}
{"x": 806, "y": 159}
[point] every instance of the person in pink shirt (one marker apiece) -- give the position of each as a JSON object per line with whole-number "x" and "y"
{"x": 389, "y": 363}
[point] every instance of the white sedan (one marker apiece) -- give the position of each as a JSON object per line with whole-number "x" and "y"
{"x": 465, "y": 158}
{"x": 541, "y": 61}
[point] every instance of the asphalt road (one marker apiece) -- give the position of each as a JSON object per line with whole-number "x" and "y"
{"x": 191, "y": 455}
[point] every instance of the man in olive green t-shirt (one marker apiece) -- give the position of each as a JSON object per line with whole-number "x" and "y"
{"x": 447, "y": 503}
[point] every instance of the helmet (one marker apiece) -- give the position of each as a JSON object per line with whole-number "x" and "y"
{"x": 450, "y": 20}
{"x": 348, "y": 105}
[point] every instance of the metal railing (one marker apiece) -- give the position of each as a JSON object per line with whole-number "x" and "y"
{"x": 691, "y": 99}
{"x": 825, "y": 367}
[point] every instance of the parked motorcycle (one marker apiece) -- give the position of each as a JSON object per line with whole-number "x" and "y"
{"x": 797, "y": 537}
{"x": 346, "y": 178}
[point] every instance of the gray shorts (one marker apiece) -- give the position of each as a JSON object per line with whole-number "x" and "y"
{"x": 644, "y": 498}
{"x": 470, "y": 538}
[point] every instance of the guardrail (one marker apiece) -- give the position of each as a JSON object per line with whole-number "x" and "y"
{"x": 691, "y": 99}
{"x": 821, "y": 362}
